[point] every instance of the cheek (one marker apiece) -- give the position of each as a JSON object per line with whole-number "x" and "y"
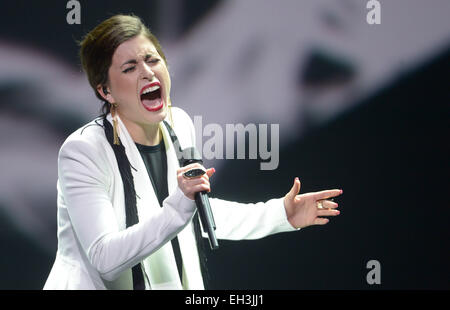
{"x": 123, "y": 87}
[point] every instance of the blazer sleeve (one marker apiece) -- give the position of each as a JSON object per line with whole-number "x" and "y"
{"x": 84, "y": 179}
{"x": 235, "y": 221}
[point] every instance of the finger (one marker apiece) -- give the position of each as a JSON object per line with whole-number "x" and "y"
{"x": 327, "y": 194}
{"x": 200, "y": 188}
{"x": 210, "y": 172}
{"x": 205, "y": 176}
{"x": 295, "y": 189}
{"x": 325, "y": 212}
{"x": 196, "y": 181}
{"x": 321, "y": 221}
{"x": 196, "y": 185}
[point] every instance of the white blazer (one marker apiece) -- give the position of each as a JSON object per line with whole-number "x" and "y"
{"x": 97, "y": 251}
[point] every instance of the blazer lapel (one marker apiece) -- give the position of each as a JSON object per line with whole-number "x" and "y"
{"x": 188, "y": 245}
{"x": 172, "y": 160}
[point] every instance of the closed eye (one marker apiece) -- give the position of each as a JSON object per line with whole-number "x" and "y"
{"x": 130, "y": 69}
{"x": 149, "y": 60}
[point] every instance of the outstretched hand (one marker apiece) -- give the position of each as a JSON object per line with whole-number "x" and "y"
{"x": 307, "y": 209}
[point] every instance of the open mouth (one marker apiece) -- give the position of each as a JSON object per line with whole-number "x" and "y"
{"x": 151, "y": 97}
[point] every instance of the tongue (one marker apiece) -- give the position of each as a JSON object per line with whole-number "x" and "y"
{"x": 151, "y": 103}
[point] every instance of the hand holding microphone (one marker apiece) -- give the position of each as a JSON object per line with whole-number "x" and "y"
{"x": 193, "y": 179}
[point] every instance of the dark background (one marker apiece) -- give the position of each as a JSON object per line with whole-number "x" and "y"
{"x": 393, "y": 167}
{"x": 389, "y": 153}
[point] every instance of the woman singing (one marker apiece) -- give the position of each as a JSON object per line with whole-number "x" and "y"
{"x": 126, "y": 212}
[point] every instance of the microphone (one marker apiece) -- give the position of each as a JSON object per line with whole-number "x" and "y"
{"x": 190, "y": 155}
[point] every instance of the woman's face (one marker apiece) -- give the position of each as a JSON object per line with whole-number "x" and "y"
{"x": 139, "y": 82}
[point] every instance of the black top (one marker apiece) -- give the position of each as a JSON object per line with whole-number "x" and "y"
{"x": 156, "y": 163}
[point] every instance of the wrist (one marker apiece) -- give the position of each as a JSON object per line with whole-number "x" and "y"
{"x": 288, "y": 210}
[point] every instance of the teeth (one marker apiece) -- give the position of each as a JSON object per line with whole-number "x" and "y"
{"x": 150, "y": 89}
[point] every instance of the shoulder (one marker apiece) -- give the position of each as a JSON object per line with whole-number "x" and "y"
{"x": 90, "y": 138}
{"x": 86, "y": 155}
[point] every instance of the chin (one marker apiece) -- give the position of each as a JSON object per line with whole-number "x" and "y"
{"x": 158, "y": 116}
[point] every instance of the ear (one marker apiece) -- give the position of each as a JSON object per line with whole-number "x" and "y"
{"x": 103, "y": 90}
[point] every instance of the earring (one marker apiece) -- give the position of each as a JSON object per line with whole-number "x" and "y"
{"x": 115, "y": 126}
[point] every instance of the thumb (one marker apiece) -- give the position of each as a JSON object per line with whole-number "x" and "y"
{"x": 295, "y": 189}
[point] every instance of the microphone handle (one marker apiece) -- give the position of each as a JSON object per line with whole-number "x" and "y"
{"x": 206, "y": 217}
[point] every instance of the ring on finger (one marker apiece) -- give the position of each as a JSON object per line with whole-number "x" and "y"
{"x": 320, "y": 204}
{"x": 193, "y": 173}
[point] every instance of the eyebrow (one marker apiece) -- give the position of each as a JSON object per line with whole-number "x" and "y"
{"x": 133, "y": 61}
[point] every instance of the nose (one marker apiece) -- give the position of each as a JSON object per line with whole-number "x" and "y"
{"x": 147, "y": 72}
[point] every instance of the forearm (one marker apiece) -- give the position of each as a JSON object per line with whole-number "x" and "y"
{"x": 115, "y": 252}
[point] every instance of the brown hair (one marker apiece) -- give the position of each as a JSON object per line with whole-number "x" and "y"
{"x": 98, "y": 46}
